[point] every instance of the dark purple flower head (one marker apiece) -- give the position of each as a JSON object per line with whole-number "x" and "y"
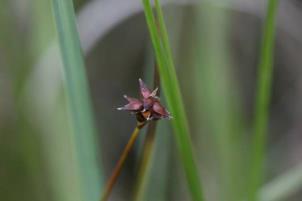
{"x": 148, "y": 107}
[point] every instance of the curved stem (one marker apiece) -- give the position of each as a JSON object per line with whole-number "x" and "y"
{"x": 117, "y": 170}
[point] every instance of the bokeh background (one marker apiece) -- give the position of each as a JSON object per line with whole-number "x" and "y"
{"x": 38, "y": 152}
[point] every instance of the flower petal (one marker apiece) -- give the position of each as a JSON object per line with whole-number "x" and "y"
{"x": 159, "y": 109}
{"x": 133, "y": 105}
{"x": 145, "y": 91}
{"x": 130, "y": 99}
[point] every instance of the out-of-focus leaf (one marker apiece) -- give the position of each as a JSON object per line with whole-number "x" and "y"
{"x": 78, "y": 99}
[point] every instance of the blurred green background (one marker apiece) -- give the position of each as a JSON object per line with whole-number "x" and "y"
{"x": 216, "y": 48}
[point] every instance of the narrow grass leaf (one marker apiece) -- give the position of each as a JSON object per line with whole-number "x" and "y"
{"x": 262, "y": 101}
{"x": 78, "y": 99}
{"x": 217, "y": 103}
{"x": 172, "y": 93}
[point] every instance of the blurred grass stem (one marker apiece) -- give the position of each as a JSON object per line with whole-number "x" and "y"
{"x": 78, "y": 100}
{"x": 265, "y": 71}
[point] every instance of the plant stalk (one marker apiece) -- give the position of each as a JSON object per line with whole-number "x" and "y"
{"x": 263, "y": 95}
{"x": 117, "y": 170}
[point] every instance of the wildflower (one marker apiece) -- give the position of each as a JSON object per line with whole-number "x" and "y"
{"x": 148, "y": 107}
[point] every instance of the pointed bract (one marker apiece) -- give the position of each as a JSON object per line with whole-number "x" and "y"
{"x": 154, "y": 92}
{"x": 159, "y": 109}
{"x": 145, "y": 91}
{"x": 133, "y": 105}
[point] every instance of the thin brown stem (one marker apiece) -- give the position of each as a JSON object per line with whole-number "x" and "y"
{"x": 121, "y": 161}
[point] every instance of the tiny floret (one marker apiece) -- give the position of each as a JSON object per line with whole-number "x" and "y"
{"x": 148, "y": 107}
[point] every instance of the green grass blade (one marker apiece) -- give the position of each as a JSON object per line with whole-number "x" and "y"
{"x": 163, "y": 33}
{"x": 78, "y": 98}
{"x": 262, "y": 101}
{"x": 217, "y": 105}
{"x": 173, "y": 96}
{"x": 283, "y": 186}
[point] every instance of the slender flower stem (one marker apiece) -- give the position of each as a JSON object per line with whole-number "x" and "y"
{"x": 121, "y": 161}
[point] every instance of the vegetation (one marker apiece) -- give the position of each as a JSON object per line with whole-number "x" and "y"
{"x": 58, "y": 111}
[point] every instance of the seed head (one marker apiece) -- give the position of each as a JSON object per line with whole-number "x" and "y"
{"x": 148, "y": 107}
